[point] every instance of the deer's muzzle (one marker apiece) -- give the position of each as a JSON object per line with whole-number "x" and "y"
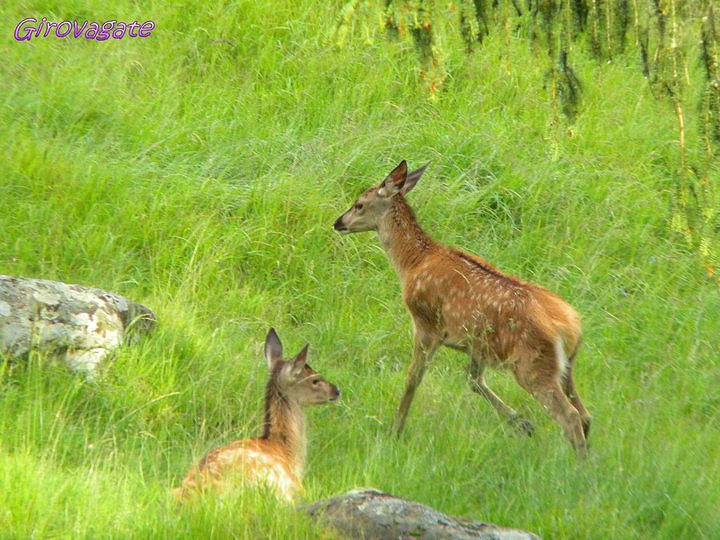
{"x": 339, "y": 226}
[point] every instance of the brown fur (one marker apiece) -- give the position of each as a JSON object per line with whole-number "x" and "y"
{"x": 459, "y": 300}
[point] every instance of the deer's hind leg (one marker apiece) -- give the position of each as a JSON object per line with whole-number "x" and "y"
{"x": 541, "y": 376}
{"x": 568, "y": 386}
{"x": 476, "y": 371}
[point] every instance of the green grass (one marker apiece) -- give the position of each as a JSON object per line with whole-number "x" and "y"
{"x": 199, "y": 172}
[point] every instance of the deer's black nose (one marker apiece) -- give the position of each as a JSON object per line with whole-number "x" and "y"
{"x": 339, "y": 225}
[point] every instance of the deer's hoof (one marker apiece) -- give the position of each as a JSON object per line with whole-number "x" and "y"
{"x": 522, "y": 425}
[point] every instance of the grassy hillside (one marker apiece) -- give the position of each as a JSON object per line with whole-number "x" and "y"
{"x": 199, "y": 171}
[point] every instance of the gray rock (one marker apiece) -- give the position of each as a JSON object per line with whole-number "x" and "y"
{"x": 79, "y": 324}
{"x": 373, "y": 515}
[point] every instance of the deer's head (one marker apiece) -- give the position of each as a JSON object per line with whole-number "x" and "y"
{"x": 294, "y": 379}
{"x": 371, "y": 207}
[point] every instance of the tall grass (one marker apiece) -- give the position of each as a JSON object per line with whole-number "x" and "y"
{"x": 199, "y": 171}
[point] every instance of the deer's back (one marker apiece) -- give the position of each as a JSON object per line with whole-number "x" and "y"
{"x": 257, "y": 461}
{"x": 474, "y": 306}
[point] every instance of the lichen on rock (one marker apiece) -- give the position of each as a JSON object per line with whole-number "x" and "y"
{"x": 373, "y": 515}
{"x": 79, "y": 324}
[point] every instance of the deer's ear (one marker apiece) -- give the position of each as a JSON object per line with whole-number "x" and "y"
{"x": 299, "y": 361}
{"x": 273, "y": 349}
{"x": 394, "y": 181}
{"x": 413, "y": 178}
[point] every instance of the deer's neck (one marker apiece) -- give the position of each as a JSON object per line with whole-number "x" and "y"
{"x": 285, "y": 425}
{"x": 404, "y": 241}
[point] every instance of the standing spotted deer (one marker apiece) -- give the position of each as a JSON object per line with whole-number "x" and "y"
{"x": 277, "y": 457}
{"x": 458, "y": 300}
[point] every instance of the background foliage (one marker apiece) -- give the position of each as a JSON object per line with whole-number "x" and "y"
{"x": 199, "y": 171}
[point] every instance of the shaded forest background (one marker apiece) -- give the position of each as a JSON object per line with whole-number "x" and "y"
{"x": 674, "y": 43}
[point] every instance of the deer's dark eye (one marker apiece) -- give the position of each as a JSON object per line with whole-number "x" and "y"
{"x": 316, "y": 382}
{"x": 358, "y": 206}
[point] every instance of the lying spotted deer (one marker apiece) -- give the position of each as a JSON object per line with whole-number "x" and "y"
{"x": 276, "y": 458}
{"x": 458, "y": 300}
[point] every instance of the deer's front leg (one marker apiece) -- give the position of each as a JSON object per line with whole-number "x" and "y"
{"x": 423, "y": 350}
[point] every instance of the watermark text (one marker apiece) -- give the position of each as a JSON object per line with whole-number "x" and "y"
{"x": 30, "y": 28}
